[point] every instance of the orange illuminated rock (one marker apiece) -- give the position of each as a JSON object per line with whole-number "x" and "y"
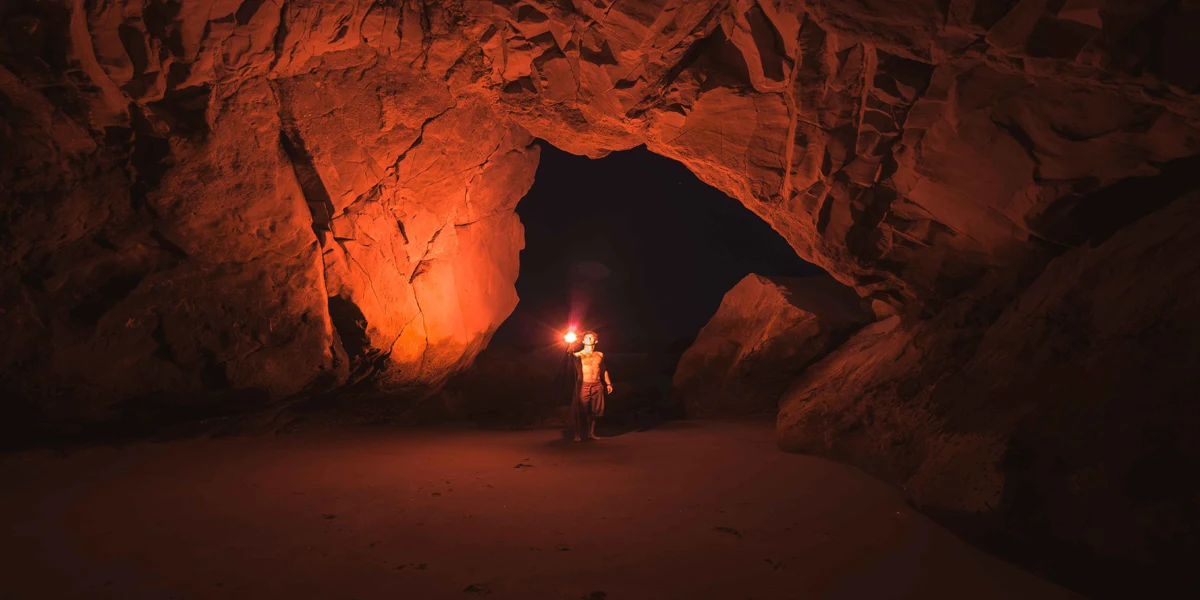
{"x": 911, "y": 150}
{"x": 766, "y": 331}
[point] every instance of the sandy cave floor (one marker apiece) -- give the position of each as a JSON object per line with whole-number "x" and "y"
{"x": 690, "y": 510}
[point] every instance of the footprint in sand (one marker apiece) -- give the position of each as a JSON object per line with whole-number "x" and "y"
{"x": 731, "y": 531}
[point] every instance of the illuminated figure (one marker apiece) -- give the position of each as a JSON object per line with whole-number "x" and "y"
{"x": 591, "y": 385}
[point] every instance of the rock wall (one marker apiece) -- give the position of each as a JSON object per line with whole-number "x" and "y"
{"x": 213, "y": 205}
{"x": 910, "y": 148}
{"x": 365, "y": 157}
{"x": 766, "y": 331}
{"x": 1064, "y": 428}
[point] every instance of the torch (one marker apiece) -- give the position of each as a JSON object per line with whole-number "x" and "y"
{"x": 570, "y": 337}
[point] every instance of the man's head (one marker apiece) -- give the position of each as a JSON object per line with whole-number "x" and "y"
{"x": 590, "y": 338}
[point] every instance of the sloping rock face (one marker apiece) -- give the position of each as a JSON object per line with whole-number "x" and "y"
{"x": 211, "y": 202}
{"x": 1068, "y": 423}
{"x": 766, "y": 331}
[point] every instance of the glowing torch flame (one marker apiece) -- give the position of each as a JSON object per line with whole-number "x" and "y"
{"x": 570, "y": 337}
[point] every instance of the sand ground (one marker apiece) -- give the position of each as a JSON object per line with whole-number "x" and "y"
{"x": 691, "y": 510}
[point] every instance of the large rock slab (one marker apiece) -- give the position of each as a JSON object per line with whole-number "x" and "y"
{"x": 241, "y": 210}
{"x": 1062, "y": 426}
{"x": 766, "y": 331}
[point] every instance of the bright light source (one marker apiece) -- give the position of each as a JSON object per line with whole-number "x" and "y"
{"x": 570, "y": 337}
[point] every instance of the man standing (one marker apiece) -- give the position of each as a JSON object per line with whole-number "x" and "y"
{"x": 591, "y": 386}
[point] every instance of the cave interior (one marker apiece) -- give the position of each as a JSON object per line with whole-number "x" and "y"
{"x": 900, "y": 297}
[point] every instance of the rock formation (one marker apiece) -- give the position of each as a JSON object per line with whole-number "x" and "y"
{"x": 1068, "y": 420}
{"x": 216, "y": 198}
{"x": 766, "y": 331}
{"x": 213, "y": 204}
{"x": 235, "y": 195}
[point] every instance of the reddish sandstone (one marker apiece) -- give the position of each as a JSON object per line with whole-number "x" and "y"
{"x": 764, "y": 334}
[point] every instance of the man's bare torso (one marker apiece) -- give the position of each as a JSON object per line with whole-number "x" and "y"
{"x": 591, "y": 365}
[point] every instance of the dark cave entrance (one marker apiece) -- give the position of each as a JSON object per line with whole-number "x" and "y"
{"x": 635, "y": 247}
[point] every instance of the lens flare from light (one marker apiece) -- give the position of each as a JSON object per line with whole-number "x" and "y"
{"x": 570, "y": 337}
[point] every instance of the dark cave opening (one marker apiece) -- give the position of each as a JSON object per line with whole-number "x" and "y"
{"x": 634, "y": 246}
{"x": 666, "y": 247}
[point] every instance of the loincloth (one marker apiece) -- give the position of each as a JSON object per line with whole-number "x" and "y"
{"x": 591, "y": 396}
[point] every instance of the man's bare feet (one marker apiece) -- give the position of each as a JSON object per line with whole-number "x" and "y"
{"x": 577, "y": 439}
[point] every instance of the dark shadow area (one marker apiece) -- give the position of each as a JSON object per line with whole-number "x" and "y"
{"x": 1093, "y": 218}
{"x": 634, "y": 247}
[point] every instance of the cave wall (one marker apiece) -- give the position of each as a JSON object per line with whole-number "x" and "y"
{"x": 240, "y": 195}
{"x": 1063, "y": 427}
{"x": 910, "y": 148}
{"x": 764, "y": 334}
{"x": 229, "y": 203}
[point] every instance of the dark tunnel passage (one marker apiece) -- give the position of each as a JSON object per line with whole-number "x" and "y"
{"x": 635, "y": 247}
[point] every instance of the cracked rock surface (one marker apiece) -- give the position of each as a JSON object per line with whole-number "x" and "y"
{"x": 350, "y": 168}
{"x": 242, "y": 201}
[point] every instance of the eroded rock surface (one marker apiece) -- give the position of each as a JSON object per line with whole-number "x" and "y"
{"x": 234, "y": 199}
{"x": 910, "y": 148}
{"x": 766, "y": 331}
{"x": 1068, "y": 421}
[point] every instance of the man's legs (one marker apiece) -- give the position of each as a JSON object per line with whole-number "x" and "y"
{"x": 590, "y": 396}
{"x": 578, "y": 414}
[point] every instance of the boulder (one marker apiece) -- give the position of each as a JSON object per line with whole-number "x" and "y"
{"x": 766, "y": 331}
{"x": 1060, "y": 426}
